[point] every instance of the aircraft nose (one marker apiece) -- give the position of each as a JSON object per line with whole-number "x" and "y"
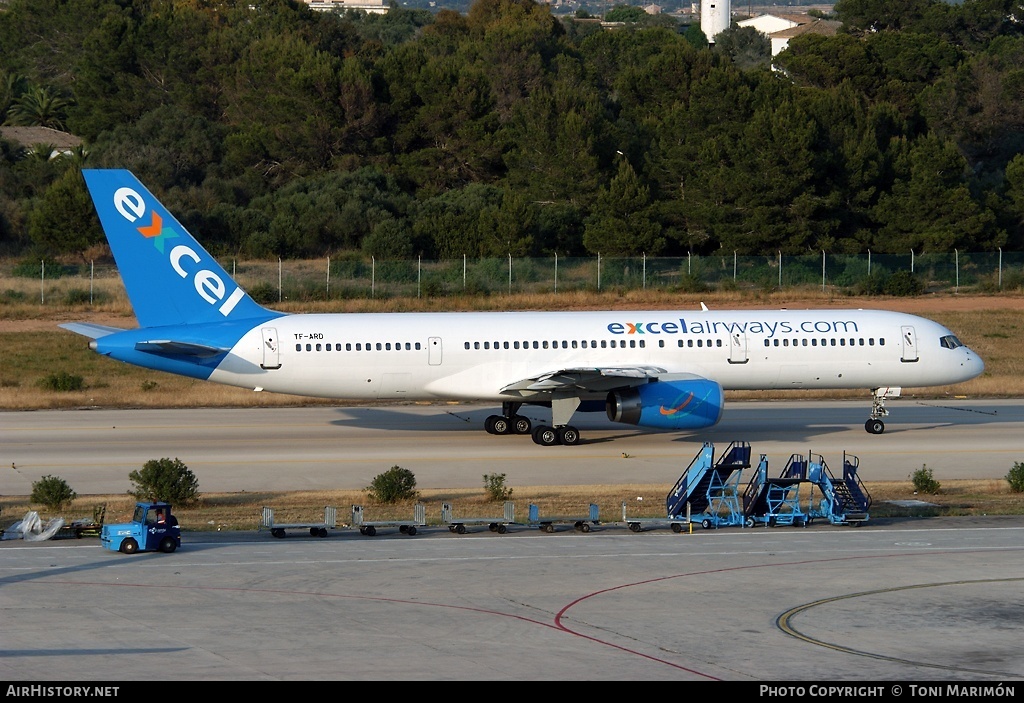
{"x": 973, "y": 364}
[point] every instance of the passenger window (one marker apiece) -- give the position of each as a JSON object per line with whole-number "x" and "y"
{"x": 487, "y": 345}
{"x": 476, "y": 345}
{"x": 309, "y": 347}
{"x": 348, "y": 346}
{"x": 871, "y": 341}
{"x": 318, "y": 347}
{"x": 545, "y": 344}
{"x": 378, "y": 346}
{"x": 467, "y": 345}
{"x": 298, "y": 347}
{"x": 767, "y": 343}
{"x": 632, "y": 343}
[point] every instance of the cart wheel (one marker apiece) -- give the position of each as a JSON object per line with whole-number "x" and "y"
{"x": 403, "y": 528}
{"x": 129, "y": 546}
{"x": 371, "y": 531}
{"x": 277, "y": 532}
{"x": 502, "y": 529}
{"x": 451, "y": 528}
{"x": 410, "y": 530}
{"x": 798, "y": 522}
{"x": 168, "y": 545}
{"x": 772, "y": 521}
{"x": 584, "y": 527}
{"x": 322, "y": 532}
{"x": 677, "y": 528}
{"x": 706, "y": 523}
{"x": 313, "y": 532}
{"x": 549, "y": 528}
{"x": 634, "y": 527}
{"x": 460, "y": 529}
{"x": 78, "y": 534}
{"x": 749, "y": 522}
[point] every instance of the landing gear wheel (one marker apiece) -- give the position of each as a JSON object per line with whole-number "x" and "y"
{"x": 129, "y": 546}
{"x": 460, "y": 529}
{"x": 545, "y": 436}
{"x": 874, "y": 426}
{"x": 277, "y": 532}
{"x": 522, "y": 425}
{"x": 168, "y": 545}
{"x": 497, "y": 424}
{"x": 635, "y": 527}
{"x": 706, "y": 524}
{"x": 568, "y": 435}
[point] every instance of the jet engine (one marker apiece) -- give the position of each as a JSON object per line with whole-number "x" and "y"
{"x": 672, "y": 405}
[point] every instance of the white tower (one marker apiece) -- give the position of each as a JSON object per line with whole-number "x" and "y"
{"x": 715, "y": 16}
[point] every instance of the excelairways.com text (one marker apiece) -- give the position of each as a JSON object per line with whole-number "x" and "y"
{"x": 769, "y": 329}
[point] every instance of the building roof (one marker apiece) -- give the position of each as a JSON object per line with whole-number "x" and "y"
{"x": 30, "y": 136}
{"x": 826, "y": 28}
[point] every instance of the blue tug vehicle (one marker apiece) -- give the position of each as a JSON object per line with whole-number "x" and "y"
{"x": 153, "y": 528}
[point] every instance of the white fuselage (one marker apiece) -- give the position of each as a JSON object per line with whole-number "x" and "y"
{"x": 474, "y": 355}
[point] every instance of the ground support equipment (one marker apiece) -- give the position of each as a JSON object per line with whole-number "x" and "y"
{"x": 316, "y": 529}
{"x": 639, "y": 524}
{"x": 85, "y": 527}
{"x": 494, "y": 524}
{"x": 547, "y": 523}
{"x": 406, "y": 527}
{"x": 842, "y": 502}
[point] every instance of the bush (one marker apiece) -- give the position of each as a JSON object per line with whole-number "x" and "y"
{"x": 165, "y": 480}
{"x": 924, "y": 481}
{"x": 1015, "y": 476}
{"x": 53, "y": 492}
{"x": 495, "y": 486}
{"x": 62, "y": 381}
{"x": 393, "y": 485}
{"x": 903, "y": 284}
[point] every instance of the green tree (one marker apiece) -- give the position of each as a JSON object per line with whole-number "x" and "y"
{"x": 41, "y": 107}
{"x": 165, "y": 480}
{"x": 622, "y": 223}
{"x": 64, "y": 220}
{"x": 393, "y": 485}
{"x": 745, "y": 46}
{"x": 53, "y": 492}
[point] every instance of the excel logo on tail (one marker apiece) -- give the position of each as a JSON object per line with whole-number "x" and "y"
{"x": 185, "y": 261}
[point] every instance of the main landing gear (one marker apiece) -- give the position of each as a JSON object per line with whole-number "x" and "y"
{"x": 509, "y": 422}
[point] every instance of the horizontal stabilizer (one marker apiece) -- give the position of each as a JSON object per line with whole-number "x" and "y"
{"x": 90, "y": 330}
{"x": 169, "y": 346}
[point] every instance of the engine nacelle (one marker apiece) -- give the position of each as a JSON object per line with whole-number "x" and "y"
{"x": 674, "y": 405}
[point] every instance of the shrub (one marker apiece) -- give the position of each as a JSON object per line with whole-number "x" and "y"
{"x": 1015, "y": 476}
{"x": 393, "y": 485}
{"x": 495, "y": 486}
{"x": 53, "y": 492}
{"x": 165, "y": 480}
{"x": 924, "y": 481}
{"x": 62, "y": 381}
{"x": 903, "y": 284}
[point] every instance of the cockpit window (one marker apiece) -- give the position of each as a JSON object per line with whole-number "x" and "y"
{"x": 950, "y": 342}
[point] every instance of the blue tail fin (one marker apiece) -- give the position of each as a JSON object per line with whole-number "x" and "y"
{"x": 170, "y": 278}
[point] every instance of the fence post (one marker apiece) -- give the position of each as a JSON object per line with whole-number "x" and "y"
{"x": 510, "y": 273}
{"x": 1000, "y": 284}
{"x": 822, "y": 270}
{"x": 599, "y": 270}
{"x": 419, "y": 274}
{"x": 280, "y": 282}
{"x": 780, "y": 269}
{"x": 733, "y": 265}
{"x": 373, "y": 277}
{"x": 92, "y": 277}
{"x": 645, "y": 272}
{"x": 556, "y": 271}
{"x": 911, "y": 261}
{"x": 42, "y": 281}
{"x": 463, "y": 272}
{"x": 956, "y": 263}
{"x": 328, "y": 277}
{"x": 869, "y": 263}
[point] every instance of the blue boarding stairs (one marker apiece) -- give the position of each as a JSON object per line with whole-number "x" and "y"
{"x": 843, "y": 501}
{"x": 708, "y": 491}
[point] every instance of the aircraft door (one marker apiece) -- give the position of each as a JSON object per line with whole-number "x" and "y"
{"x": 738, "y": 348}
{"x": 434, "y": 351}
{"x": 271, "y": 349}
{"x": 909, "y": 342}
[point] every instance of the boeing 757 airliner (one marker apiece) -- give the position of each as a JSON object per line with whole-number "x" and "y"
{"x": 664, "y": 369}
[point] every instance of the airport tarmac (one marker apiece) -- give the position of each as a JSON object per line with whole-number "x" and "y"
{"x": 444, "y": 445}
{"x": 903, "y": 600}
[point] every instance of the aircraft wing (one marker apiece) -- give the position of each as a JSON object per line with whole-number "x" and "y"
{"x": 89, "y": 329}
{"x": 590, "y": 379}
